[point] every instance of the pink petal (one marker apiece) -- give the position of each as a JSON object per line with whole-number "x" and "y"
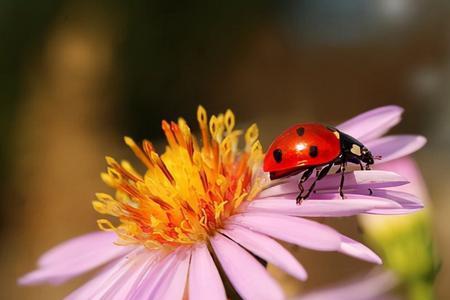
{"x": 373, "y": 123}
{"x": 159, "y": 276}
{"x": 358, "y": 250}
{"x": 116, "y": 277}
{"x": 395, "y": 146}
{"x": 83, "y": 254}
{"x": 411, "y": 196}
{"x": 173, "y": 287}
{"x": 93, "y": 242}
{"x": 403, "y": 198}
{"x": 408, "y": 168}
{"x": 353, "y": 180}
{"x": 266, "y": 248}
{"x": 89, "y": 289}
{"x": 409, "y": 203}
{"x": 126, "y": 283}
{"x": 248, "y": 276}
{"x": 406, "y": 200}
{"x": 299, "y": 231}
{"x": 333, "y": 207}
{"x": 398, "y": 211}
{"x": 204, "y": 279}
{"x": 362, "y": 179}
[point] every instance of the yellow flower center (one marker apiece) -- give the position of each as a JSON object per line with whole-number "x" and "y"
{"x": 188, "y": 192}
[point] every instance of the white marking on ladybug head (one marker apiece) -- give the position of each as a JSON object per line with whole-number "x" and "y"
{"x": 356, "y": 150}
{"x": 336, "y": 133}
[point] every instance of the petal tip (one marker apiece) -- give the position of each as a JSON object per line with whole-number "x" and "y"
{"x": 395, "y": 107}
{"x": 360, "y": 251}
{"x": 422, "y": 140}
{"x": 391, "y": 108}
{"x": 374, "y": 258}
{"x": 23, "y": 280}
{"x": 28, "y": 279}
{"x": 304, "y": 277}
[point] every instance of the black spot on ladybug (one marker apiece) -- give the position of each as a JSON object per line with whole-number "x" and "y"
{"x": 277, "y": 155}
{"x": 313, "y": 151}
{"x": 300, "y": 131}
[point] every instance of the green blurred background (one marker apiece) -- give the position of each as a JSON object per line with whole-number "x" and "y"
{"x": 75, "y": 76}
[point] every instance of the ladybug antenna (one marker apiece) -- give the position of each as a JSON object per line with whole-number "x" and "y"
{"x": 378, "y": 157}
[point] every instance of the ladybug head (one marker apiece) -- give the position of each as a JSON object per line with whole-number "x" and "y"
{"x": 366, "y": 156}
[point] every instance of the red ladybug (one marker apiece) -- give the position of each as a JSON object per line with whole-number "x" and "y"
{"x": 308, "y": 146}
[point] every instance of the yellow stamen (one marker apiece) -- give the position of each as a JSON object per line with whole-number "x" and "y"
{"x": 186, "y": 193}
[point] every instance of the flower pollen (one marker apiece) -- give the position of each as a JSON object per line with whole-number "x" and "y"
{"x": 187, "y": 193}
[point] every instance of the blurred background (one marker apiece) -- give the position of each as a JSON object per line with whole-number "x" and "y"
{"x": 76, "y": 76}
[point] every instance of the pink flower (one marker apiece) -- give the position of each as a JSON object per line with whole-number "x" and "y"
{"x": 199, "y": 208}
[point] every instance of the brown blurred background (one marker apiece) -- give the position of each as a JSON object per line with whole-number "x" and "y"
{"x": 76, "y": 76}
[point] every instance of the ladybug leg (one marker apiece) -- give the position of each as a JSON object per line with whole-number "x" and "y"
{"x": 324, "y": 171}
{"x": 361, "y": 166}
{"x": 321, "y": 173}
{"x": 305, "y": 177}
{"x": 338, "y": 163}
{"x": 341, "y": 185}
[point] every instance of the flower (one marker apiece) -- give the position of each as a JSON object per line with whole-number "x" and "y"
{"x": 188, "y": 219}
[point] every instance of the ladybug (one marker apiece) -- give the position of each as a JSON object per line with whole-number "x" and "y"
{"x": 306, "y": 147}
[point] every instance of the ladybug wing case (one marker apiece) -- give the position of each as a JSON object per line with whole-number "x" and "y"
{"x": 300, "y": 147}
